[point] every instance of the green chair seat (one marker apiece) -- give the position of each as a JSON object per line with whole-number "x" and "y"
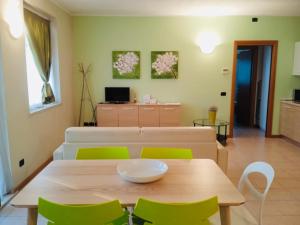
{"x": 105, "y": 152}
{"x": 166, "y": 153}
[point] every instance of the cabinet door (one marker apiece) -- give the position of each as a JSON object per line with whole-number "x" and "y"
{"x": 287, "y": 119}
{"x": 128, "y": 116}
{"x": 107, "y": 116}
{"x": 169, "y": 115}
{"x": 296, "y": 122}
{"x": 148, "y": 116}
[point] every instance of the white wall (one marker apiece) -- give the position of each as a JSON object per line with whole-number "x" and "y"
{"x": 267, "y": 56}
{"x": 35, "y": 136}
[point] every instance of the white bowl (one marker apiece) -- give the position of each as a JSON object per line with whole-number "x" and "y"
{"x": 142, "y": 170}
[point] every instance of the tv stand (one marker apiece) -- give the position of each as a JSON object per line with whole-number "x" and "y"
{"x": 138, "y": 115}
{"x": 118, "y": 103}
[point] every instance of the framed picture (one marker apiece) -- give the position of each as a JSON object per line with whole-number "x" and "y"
{"x": 164, "y": 64}
{"x": 126, "y": 64}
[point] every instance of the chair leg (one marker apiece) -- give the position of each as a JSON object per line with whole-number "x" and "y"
{"x": 261, "y": 212}
{"x": 130, "y": 210}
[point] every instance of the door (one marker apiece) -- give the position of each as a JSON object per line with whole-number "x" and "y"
{"x": 273, "y": 47}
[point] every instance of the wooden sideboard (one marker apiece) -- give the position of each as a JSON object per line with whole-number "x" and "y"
{"x": 138, "y": 115}
{"x": 290, "y": 120}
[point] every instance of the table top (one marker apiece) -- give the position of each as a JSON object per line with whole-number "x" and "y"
{"x": 207, "y": 122}
{"x": 96, "y": 181}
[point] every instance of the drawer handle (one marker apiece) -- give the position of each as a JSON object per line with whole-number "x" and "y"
{"x": 128, "y": 108}
{"x": 148, "y": 108}
{"x": 169, "y": 108}
{"x": 107, "y": 109}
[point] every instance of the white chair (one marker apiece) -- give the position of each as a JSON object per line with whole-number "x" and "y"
{"x": 268, "y": 172}
{"x": 240, "y": 214}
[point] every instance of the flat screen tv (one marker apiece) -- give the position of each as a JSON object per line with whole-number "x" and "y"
{"x": 117, "y": 94}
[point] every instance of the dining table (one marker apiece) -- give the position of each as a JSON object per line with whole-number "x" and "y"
{"x": 76, "y": 182}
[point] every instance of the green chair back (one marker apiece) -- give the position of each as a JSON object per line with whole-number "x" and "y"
{"x": 166, "y": 153}
{"x": 157, "y": 213}
{"x": 100, "y": 214}
{"x": 105, "y": 152}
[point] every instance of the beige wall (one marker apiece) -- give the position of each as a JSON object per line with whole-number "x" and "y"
{"x": 35, "y": 136}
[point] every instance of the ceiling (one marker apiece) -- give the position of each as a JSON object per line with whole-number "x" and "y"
{"x": 181, "y": 7}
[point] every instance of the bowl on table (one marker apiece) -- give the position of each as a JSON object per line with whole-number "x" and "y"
{"x": 142, "y": 170}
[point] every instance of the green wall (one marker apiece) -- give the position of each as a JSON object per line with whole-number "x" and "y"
{"x": 200, "y": 79}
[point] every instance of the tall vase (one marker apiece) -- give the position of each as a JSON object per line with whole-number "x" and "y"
{"x": 212, "y": 115}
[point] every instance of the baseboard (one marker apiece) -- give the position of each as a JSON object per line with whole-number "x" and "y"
{"x": 30, "y": 177}
{"x": 291, "y": 141}
{"x": 6, "y": 200}
{"x": 276, "y": 136}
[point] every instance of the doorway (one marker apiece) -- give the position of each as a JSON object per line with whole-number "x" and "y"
{"x": 253, "y": 83}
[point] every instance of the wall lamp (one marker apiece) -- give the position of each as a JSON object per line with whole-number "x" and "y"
{"x": 207, "y": 41}
{"x": 13, "y": 17}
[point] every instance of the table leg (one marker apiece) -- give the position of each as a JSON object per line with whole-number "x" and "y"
{"x": 32, "y": 215}
{"x": 225, "y": 215}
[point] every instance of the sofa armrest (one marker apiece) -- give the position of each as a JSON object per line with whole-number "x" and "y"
{"x": 58, "y": 154}
{"x": 222, "y": 159}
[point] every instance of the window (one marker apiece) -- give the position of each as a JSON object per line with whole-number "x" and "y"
{"x": 41, "y": 61}
{"x": 34, "y": 80}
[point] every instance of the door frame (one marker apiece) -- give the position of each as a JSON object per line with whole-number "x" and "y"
{"x": 272, "y": 79}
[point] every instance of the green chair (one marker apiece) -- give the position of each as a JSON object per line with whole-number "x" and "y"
{"x": 157, "y": 213}
{"x": 166, "y": 153}
{"x": 105, "y": 152}
{"x": 100, "y": 214}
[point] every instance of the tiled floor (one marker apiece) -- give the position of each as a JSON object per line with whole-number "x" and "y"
{"x": 282, "y": 206}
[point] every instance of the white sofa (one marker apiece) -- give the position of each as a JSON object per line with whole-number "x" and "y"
{"x": 202, "y": 141}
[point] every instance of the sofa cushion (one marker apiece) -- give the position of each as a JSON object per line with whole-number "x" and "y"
{"x": 178, "y": 134}
{"x": 102, "y": 134}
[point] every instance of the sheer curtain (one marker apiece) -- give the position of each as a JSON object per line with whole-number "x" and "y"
{"x": 5, "y": 169}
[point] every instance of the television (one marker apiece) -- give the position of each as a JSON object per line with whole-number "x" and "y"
{"x": 117, "y": 94}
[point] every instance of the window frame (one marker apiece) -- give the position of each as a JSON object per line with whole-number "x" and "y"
{"x": 55, "y": 67}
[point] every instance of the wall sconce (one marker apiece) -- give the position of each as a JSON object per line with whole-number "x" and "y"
{"x": 207, "y": 41}
{"x": 13, "y": 17}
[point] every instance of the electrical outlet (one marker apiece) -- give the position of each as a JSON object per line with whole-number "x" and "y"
{"x": 21, "y": 162}
{"x": 223, "y": 93}
{"x": 254, "y": 19}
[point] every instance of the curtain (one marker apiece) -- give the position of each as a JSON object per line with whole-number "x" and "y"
{"x": 5, "y": 168}
{"x": 38, "y": 34}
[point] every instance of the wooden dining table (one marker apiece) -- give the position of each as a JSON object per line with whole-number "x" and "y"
{"x": 94, "y": 181}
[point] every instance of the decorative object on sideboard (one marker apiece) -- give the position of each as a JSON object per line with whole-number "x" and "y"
{"x": 164, "y": 64}
{"x": 126, "y": 64}
{"x": 86, "y": 95}
{"x": 212, "y": 114}
{"x": 148, "y": 99}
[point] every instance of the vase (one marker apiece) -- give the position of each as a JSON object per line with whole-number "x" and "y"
{"x": 212, "y": 115}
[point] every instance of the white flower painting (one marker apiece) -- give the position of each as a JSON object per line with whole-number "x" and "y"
{"x": 164, "y": 65}
{"x": 126, "y": 64}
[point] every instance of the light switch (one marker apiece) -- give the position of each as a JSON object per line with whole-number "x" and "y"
{"x": 225, "y": 71}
